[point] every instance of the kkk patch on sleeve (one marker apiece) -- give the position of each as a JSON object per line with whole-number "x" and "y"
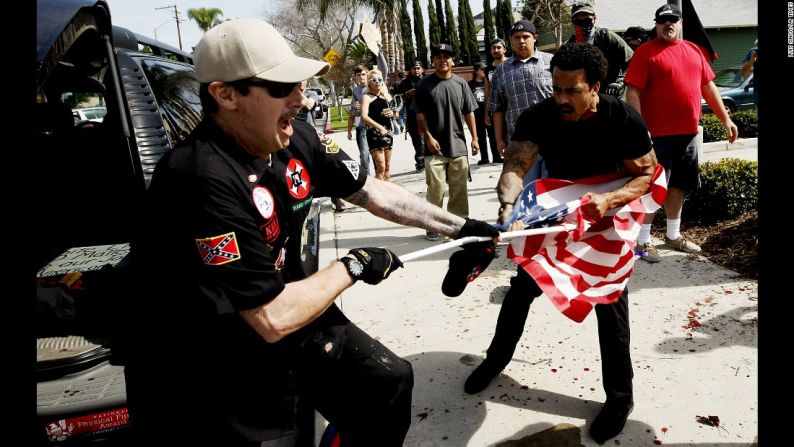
{"x": 218, "y": 250}
{"x": 352, "y": 166}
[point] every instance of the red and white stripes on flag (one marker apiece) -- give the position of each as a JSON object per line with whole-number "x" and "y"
{"x": 579, "y": 269}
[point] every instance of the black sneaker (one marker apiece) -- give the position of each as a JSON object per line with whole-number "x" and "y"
{"x": 610, "y": 421}
{"x": 482, "y": 375}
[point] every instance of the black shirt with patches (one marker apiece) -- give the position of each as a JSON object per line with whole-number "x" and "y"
{"x": 221, "y": 234}
{"x": 588, "y": 147}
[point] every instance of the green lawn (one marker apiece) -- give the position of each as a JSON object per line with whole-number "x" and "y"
{"x": 338, "y": 123}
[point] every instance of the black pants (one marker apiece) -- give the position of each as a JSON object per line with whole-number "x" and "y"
{"x": 492, "y": 140}
{"x": 482, "y": 136}
{"x": 357, "y": 384}
{"x": 416, "y": 139}
{"x": 613, "y": 334}
{"x": 360, "y": 386}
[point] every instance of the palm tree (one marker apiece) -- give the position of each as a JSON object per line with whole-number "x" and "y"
{"x": 205, "y": 18}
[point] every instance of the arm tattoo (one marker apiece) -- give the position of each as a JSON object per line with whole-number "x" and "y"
{"x": 519, "y": 157}
{"x": 397, "y": 204}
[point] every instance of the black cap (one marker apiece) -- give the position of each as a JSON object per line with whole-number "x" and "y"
{"x": 479, "y": 65}
{"x": 523, "y": 25}
{"x": 466, "y": 265}
{"x": 417, "y": 63}
{"x": 582, "y": 7}
{"x": 442, "y": 48}
{"x": 634, "y": 31}
{"x": 499, "y": 41}
{"x": 668, "y": 10}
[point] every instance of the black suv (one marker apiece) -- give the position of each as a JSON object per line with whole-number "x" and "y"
{"x": 91, "y": 177}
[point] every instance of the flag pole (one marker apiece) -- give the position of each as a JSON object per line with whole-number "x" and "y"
{"x": 469, "y": 239}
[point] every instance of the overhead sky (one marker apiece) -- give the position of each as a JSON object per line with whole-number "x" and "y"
{"x": 141, "y": 16}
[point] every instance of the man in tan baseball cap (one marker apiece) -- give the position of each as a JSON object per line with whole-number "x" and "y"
{"x": 227, "y": 273}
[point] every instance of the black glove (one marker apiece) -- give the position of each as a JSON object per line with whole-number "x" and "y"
{"x": 466, "y": 265}
{"x": 378, "y": 263}
{"x": 474, "y": 227}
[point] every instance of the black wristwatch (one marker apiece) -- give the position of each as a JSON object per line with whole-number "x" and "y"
{"x": 503, "y": 206}
{"x": 353, "y": 266}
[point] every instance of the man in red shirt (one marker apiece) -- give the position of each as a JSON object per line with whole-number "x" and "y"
{"x": 666, "y": 78}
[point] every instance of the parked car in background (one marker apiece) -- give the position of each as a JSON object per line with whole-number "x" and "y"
{"x": 94, "y": 114}
{"x": 735, "y": 90}
{"x": 322, "y": 104}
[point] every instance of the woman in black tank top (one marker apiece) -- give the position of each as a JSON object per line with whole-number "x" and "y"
{"x": 377, "y": 114}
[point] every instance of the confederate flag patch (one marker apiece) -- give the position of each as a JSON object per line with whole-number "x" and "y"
{"x": 218, "y": 250}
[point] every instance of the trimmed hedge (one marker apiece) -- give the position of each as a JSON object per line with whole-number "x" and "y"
{"x": 746, "y": 121}
{"x": 712, "y": 128}
{"x": 729, "y": 188}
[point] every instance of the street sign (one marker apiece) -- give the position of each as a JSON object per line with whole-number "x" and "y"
{"x": 332, "y": 57}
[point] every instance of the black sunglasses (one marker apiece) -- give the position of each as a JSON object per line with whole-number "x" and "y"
{"x": 276, "y": 89}
{"x": 671, "y": 19}
{"x": 583, "y": 22}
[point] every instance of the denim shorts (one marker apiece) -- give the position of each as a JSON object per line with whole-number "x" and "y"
{"x": 679, "y": 156}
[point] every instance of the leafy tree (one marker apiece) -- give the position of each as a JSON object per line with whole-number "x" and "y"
{"x": 452, "y": 36}
{"x": 386, "y": 16}
{"x": 547, "y": 15}
{"x": 435, "y": 32}
{"x": 405, "y": 29}
{"x": 419, "y": 32}
{"x": 312, "y": 36}
{"x": 205, "y": 18}
{"x": 442, "y": 27}
{"x": 490, "y": 35}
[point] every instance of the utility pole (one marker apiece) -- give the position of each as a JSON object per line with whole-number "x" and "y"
{"x": 176, "y": 18}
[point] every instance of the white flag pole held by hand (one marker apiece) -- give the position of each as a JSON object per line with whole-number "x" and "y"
{"x": 467, "y": 240}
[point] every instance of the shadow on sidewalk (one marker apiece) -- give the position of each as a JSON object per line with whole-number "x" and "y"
{"x": 451, "y": 417}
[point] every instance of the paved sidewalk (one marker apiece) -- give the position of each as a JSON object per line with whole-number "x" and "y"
{"x": 694, "y": 340}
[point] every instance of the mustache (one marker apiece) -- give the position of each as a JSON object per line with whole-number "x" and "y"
{"x": 565, "y": 109}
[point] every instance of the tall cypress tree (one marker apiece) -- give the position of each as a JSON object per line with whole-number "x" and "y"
{"x": 474, "y": 47}
{"x": 452, "y": 36}
{"x": 443, "y": 35}
{"x": 405, "y": 29}
{"x": 435, "y": 33}
{"x": 506, "y": 19}
{"x": 498, "y": 20}
{"x": 419, "y": 32}
{"x": 487, "y": 18}
{"x": 463, "y": 33}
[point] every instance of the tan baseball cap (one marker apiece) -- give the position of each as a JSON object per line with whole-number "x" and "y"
{"x": 250, "y": 48}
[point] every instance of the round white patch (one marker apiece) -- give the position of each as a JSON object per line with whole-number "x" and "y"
{"x": 263, "y": 200}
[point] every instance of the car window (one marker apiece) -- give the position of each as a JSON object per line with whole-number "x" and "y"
{"x": 731, "y": 77}
{"x": 176, "y": 90}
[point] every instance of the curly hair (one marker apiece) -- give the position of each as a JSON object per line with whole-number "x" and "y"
{"x": 581, "y": 55}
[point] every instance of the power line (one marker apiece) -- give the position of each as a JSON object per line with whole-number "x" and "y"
{"x": 177, "y": 20}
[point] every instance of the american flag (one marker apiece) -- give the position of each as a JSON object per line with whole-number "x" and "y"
{"x": 591, "y": 264}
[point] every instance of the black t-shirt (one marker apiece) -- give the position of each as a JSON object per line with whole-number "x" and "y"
{"x": 444, "y": 103}
{"x": 409, "y": 83}
{"x": 478, "y": 90}
{"x": 489, "y": 69}
{"x": 584, "y": 148}
{"x": 223, "y": 234}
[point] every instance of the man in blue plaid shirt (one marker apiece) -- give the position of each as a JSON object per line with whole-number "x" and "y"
{"x": 522, "y": 81}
